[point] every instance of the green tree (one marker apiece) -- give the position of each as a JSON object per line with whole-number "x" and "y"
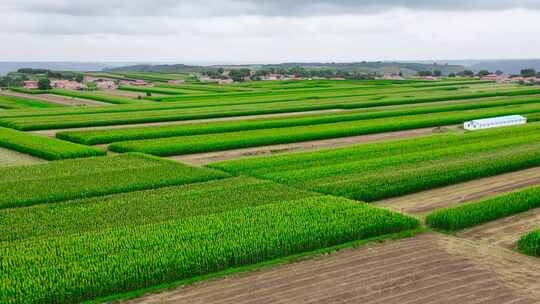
{"x": 483, "y": 73}
{"x": 44, "y": 84}
{"x": 528, "y": 72}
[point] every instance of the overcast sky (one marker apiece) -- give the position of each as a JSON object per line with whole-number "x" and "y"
{"x": 267, "y": 31}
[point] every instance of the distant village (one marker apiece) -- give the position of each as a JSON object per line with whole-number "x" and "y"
{"x": 225, "y": 77}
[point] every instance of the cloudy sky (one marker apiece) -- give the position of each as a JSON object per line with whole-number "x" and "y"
{"x": 268, "y": 31}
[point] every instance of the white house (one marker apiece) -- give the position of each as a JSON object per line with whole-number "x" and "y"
{"x": 495, "y": 122}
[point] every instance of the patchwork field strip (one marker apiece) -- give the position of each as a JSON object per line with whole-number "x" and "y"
{"x": 426, "y": 201}
{"x": 424, "y": 269}
{"x": 14, "y": 158}
{"x": 201, "y": 159}
{"x": 506, "y": 231}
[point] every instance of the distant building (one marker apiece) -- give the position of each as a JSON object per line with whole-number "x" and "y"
{"x": 494, "y": 122}
{"x": 138, "y": 83}
{"x": 176, "y": 81}
{"x": 207, "y": 79}
{"x": 67, "y": 85}
{"x": 106, "y": 85}
{"x": 30, "y": 84}
{"x": 498, "y": 78}
{"x": 225, "y": 81}
{"x": 392, "y": 76}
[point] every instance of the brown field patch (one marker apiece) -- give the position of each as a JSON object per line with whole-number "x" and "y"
{"x": 14, "y": 158}
{"x": 506, "y": 231}
{"x": 428, "y": 268}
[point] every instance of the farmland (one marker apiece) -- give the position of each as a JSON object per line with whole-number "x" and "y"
{"x": 375, "y": 194}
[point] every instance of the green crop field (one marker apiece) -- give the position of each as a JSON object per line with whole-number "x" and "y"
{"x": 530, "y": 243}
{"x": 92, "y": 211}
{"x": 476, "y": 213}
{"x": 382, "y": 170}
{"x": 14, "y": 102}
{"x": 44, "y": 147}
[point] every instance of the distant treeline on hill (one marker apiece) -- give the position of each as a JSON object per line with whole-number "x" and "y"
{"x": 335, "y": 69}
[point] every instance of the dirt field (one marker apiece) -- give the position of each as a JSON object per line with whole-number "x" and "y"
{"x": 206, "y": 158}
{"x": 427, "y": 201}
{"x": 428, "y": 268}
{"x": 57, "y": 99}
{"x": 52, "y": 132}
{"x": 505, "y": 232}
{"x": 14, "y": 158}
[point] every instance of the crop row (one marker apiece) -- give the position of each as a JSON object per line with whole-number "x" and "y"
{"x": 15, "y": 102}
{"x": 252, "y": 138}
{"x": 82, "y": 178}
{"x": 94, "y": 96}
{"x": 261, "y": 166}
{"x": 530, "y": 243}
{"x": 142, "y": 207}
{"x": 93, "y": 137}
{"x": 44, "y": 147}
{"x": 476, "y": 213}
{"x": 266, "y": 104}
{"x": 128, "y": 258}
{"x": 370, "y": 177}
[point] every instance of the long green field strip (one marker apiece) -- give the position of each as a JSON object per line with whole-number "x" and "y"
{"x": 44, "y": 147}
{"x": 289, "y": 100}
{"x": 103, "y": 119}
{"x": 93, "y": 137}
{"x": 95, "y": 96}
{"x": 252, "y": 138}
{"x": 530, "y": 243}
{"x": 156, "y": 90}
{"x": 476, "y": 213}
{"x": 376, "y": 171}
{"x": 142, "y": 207}
{"x": 82, "y": 178}
{"x": 14, "y": 102}
{"x": 128, "y": 258}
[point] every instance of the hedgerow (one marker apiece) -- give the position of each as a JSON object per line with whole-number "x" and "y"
{"x": 82, "y": 178}
{"x": 530, "y": 243}
{"x": 127, "y": 258}
{"x": 252, "y": 138}
{"x": 472, "y": 214}
{"x": 44, "y": 147}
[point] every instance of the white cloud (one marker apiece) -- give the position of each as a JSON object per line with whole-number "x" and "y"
{"x": 266, "y": 31}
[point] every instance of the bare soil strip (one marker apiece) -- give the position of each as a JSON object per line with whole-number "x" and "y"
{"x": 207, "y": 158}
{"x": 57, "y": 99}
{"x": 52, "y": 132}
{"x": 426, "y": 201}
{"x": 428, "y": 268}
{"x": 14, "y": 158}
{"x": 505, "y": 232}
